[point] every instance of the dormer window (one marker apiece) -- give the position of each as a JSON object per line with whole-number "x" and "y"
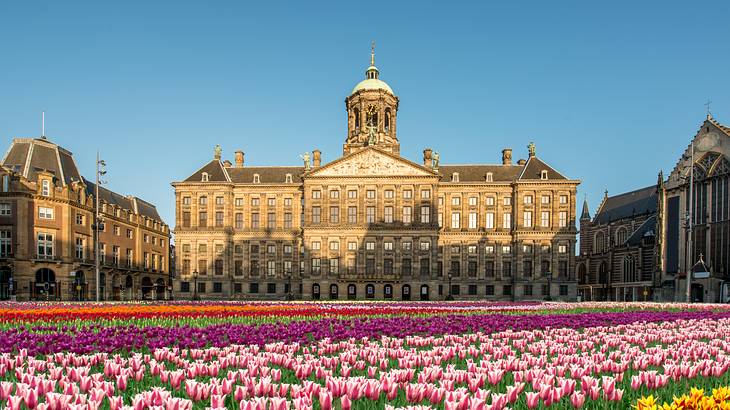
{"x": 46, "y": 187}
{"x": 489, "y": 177}
{"x": 288, "y": 178}
{"x": 205, "y": 177}
{"x": 455, "y": 177}
{"x": 256, "y": 179}
{"x": 543, "y": 174}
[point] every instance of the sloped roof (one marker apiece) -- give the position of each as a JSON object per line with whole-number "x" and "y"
{"x": 28, "y": 156}
{"x": 267, "y": 175}
{"x": 132, "y": 203}
{"x": 646, "y": 229}
{"x": 215, "y": 171}
{"x": 641, "y": 201}
{"x": 478, "y": 173}
{"x": 534, "y": 167}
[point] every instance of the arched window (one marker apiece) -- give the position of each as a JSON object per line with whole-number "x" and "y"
{"x": 629, "y": 269}
{"x": 543, "y": 174}
{"x": 356, "y": 113}
{"x": 406, "y": 292}
{"x": 387, "y": 119}
{"x": 388, "y": 291}
{"x": 351, "y": 291}
{"x": 598, "y": 242}
{"x": 621, "y": 236}
{"x": 603, "y": 273}
{"x": 370, "y": 291}
{"x": 205, "y": 177}
{"x": 315, "y": 291}
{"x": 582, "y": 277}
{"x": 334, "y": 291}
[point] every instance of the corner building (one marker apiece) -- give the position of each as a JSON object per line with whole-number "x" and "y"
{"x": 374, "y": 225}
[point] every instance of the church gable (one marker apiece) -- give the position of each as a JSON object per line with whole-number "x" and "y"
{"x": 371, "y": 162}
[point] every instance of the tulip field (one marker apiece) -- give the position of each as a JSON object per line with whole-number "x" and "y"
{"x": 375, "y": 355}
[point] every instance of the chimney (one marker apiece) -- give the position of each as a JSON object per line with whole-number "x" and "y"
{"x": 316, "y": 158}
{"x": 227, "y": 163}
{"x": 507, "y": 156}
{"x": 239, "y": 159}
{"x": 427, "y": 158}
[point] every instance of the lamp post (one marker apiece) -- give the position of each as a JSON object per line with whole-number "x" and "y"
{"x": 549, "y": 276}
{"x": 100, "y": 171}
{"x": 450, "y": 296}
{"x": 290, "y": 294}
{"x": 195, "y": 281}
{"x": 690, "y": 222}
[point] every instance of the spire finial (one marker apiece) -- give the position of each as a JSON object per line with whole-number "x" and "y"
{"x": 707, "y": 108}
{"x": 372, "y": 53}
{"x": 43, "y": 125}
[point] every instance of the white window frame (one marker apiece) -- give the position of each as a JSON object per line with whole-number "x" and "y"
{"x": 45, "y": 213}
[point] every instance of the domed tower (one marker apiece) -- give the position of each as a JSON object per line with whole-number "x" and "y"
{"x": 371, "y": 113}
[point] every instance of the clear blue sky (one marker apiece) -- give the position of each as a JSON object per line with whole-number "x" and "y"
{"x": 611, "y": 93}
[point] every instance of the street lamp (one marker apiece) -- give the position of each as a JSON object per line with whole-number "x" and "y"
{"x": 100, "y": 171}
{"x": 450, "y": 296}
{"x": 690, "y": 221}
{"x": 549, "y": 276}
{"x": 195, "y": 289}
{"x": 290, "y": 294}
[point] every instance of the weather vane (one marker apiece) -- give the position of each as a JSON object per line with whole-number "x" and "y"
{"x": 372, "y": 52}
{"x": 707, "y": 108}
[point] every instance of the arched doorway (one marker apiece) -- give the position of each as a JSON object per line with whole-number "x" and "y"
{"x": 128, "y": 289}
{"x": 147, "y": 288}
{"x": 160, "y": 289}
{"x": 334, "y": 291}
{"x": 102, "y": 286}
{"x": 370, "y": 291}
{"x": 45, "y": 286}
{"x": 79, "y": 286}
{"x": 603, "y": 280}
{"x": 352, "y": 291}
{"x": 388, "y": 291}
{"x": 424, "y": 292}
{"x": 5, "y": 287}
{"x": 698, "y": 293}
{"x": 315, "y": 291}
{"x": 406, "y": 292}
{"x": 116, "y": 287}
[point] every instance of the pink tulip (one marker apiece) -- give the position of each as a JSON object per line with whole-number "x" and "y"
{"x": 533, "y": 399}
{"x": 577, "y": 399}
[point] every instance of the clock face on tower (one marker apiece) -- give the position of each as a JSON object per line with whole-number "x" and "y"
{"x": 372, "y": 116}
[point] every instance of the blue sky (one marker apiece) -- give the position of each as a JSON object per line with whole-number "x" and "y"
{"x": 609, "y": 92}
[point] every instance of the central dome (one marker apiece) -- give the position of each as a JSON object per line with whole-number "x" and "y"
{"x": 372, "y": 83}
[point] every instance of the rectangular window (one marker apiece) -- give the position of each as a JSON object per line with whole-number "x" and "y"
{"x": 407, "y": 194}
{"x": 287, "y": 267}
{"x": 271, "y": 202}
{"x": 489, "y": 249}
{"x": 527, "y": 199}
{"x": 334, "y": 266}
{"x": 6, "y": 243}
{"x": 489, "y": 290}
{"x": 80, "y": 245}
{"x": 130, "y": 259}
{"x": 203, "y": 219}
{"x": 255, "y": 221}
{"x": 203, "y": 200}
{"x": 115, "y": 255}
{"x": 489, "y": 201}
{"x": 527, "y": 268}
{"x": 79, "y": 216}
{"x": 473, "y": 201}
{"x": 441, "y": 219}
{"x": 545, "y": 199}
{"x": 351, "y": 246}
{"x": 219, "y": 219}
{"x": 334, "y": 213}
{"x": 316, "y": 194}
{"x": 456, "y": 200}
{"x": 102, "y": 253}
{"x": 271, "y": 268}
{"x": 370, "y": 214}
{"x": 545, "y": 219}
{"x": 316, "y": 245}
{"x": 334, "y": 194}
{"x": 563, "y": 290}
{"x": 455, "y": 220}
{"x": 425, "y": 194}
{"x": 563, "y": 199}
{"x": 506, "y": 221}
{"x": 425, "y": 266}
{"x": 563, "y": 269}
{"x": 45, "y": 245}
{"x": 471, "y": 249}
{"x": 255, "y": 201}
{"x": 352, "y": 194}
{"x": 472, "y": 268}
{"x": 388, "y": 266}
{"x": 271, "y": 249}
{"x": 130, "y": 234}
{"x": 271, "y": 220}
{"x": 489, "y": 269}
{"x": 254, "y": 267}
{"x": 316, "y": 267}
{"x": 287, "y": 220}
{"x": 527, "y": 219}
{"x": 506, "y": 268}
{"x": 472, "y": 220}
{"x": 425, "y": 245}
{"x": 184, "y": 287}
{"x": 238, "y": 202}
{"x": 287, "y": 202}
{"x": 389, "y": 194}
{"x": 253, "y": 288}
{"x": 370, "y": 194}
{"x": 45, "y": 213}
{"x": 352, "y": 214}
{"x": 425, "y": 213}
{"x": 219, "y": 200}
{"x": 370, "y": 266}
{"x": 45, "y": 187}
{"x": 406, "y": 266}
{"x": 288, "y": 249}
{"x": 563, "y": 219}
{"x": 239, "y": 220}
{"x": 407, "y": 215}
{"x": 186, "y": 219}
{"x": 489, "y": 220}
{"x": 388, "y": 245}
{"x": 369, "y": 246}
{"x": 217, "y": 287}
{"x": 334, "y": 246}
{"x": 506, "y": 249}
{"x": 316, "y": 214}
{"x": 388, "y": 214}
{"x": 506, "y": 201}
{"x": 527, "y": 290}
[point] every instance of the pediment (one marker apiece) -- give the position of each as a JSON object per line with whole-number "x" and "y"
{"x": 371, "y": 162}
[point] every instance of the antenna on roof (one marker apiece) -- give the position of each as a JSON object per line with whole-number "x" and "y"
{"x": 43, "y": 125}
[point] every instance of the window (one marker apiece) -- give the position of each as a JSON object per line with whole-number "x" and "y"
{"x": 506, "y": 221}
{"x": 407, "y": 214}
{"x": 425, "y": 194}
{"x": 271, "y": 201}
{"x": 425, "y": 245}
{"x": 441, "y": 219}
{"x": 527, "y": 268}
{"x": 219, "y": 219}
{"x": 287, "y": 201}
{"x": 102, "y": 252}
{"x": 316, "y": 245}
{"x": 527, "y": 290}
{"x": 203, "y": 219}
{"x": 256, "y": 179}
{"x": 489, "y": 269}
{"x": 45, "y": 245}
{"x": 563, "y": 290}
{"x": 146, "y": 257}
{"x": 46, "y": 187}
{"x": 388, "y": 245}
{"x": 316, "y": 214}
{"x": 352, "y": 214}
{"x": 255, "y": 221}
{"x": 80, "y": 245}
{"x": 472, "y": 268}
{"x": 185, "y": 287}
{"x": 455, "y": 220}
{"x": 79, "y": 216}
{"x": 370, "y": 214}
{"x": 271, "y": 268}
{"x": 507, "y": 290}
{"x": 426, "y": 266}
{"x": 506, "y": 249}
{"x": 45, "y": 213}
{"x": 316, "y": 194}
{"x": 489, "y": 177}
{"x": 334, "y": 246}
{"x": 526, "y": 248}
{"x": 287, "y": 220}
{"x": 146, "y": 238}
{"x": 369, "y": 246}
{"x": 543, "y": 174}
{"x": 473, "y": 201}
{"x": 406, "y": 266}
{"x": 271, "y": 249}
{"x": 186, "y": 219}
{"x": 489, "y": 201}
{"x": 455, "y": 249}
{"x": 506, "y": 201}
{"x": 489, "y": 249}
{"x": 456, "y": 200}
{"x": 545, "y": 219}
{"x": 271, "y": 220}
{"x": 563, "y": 269}
{"x": 334, "y": 213}
{"x": 472, "y": 220}
{"x": 352, "y": 194}
{"x": 562, "y": 248}
{"x": 254, "y": 267}
{"x": 334, "y": 266}
{"x": 563, "y": 199}
{"x": 287, "y": 267}
{"x": 129, "y": 234}
{"x": 527, "y": 199}
{"x": 238, "y": 202}
{"x": 5, "y": 211}
{"x": 455, "y": 177}
{"x": 130, "y": 259}
{"x": 472, "y": 249}
{"x": 6, "y": 183}
{"x": 288, "y": 179}
{"x": 6, "y": 243}
{"x": 527, "y": 219}
{"x": 370, "y": 194}
{"x": 316, "y": 267}
{"x": 545, "y": 199}
{"x": 255, "y": 201}
{"x": 219, "y": 200}
{"x": 389, "y": 194}
{"x": 563, "y": 219}
{"x": 351, "y": 246}
{"x": 388, "y": 214}
{"x": 407, "y": 194}
{"x": 425, "y": 214}
{"x": 115, "y": 255}
{"x": 239, "y": 220}
{"x": 203, "y": 200}
{"x": 253, "y": 287}
{"x": 204, "y": 177}
{"x": 489, "y": 220}
{"x": 621, "y": 236}
{"x": 202, "y": 248}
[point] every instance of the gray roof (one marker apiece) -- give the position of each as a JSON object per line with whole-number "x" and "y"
{"x": 136, "y": 205}
{"x": 646, "y": 229}
{"x": 535, "y": 166}
{"x": 641, "y": 201}
{"x": 478, "y": 173}
{"x": 215, "y": 171}
{"x": 267, "y": 175}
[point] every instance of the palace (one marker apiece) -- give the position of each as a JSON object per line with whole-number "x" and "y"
{"x": 47, "y": 233}
{"x": 374, "y": 225}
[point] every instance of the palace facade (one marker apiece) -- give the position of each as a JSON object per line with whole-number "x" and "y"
{"x": 374, "y": 225}
{"x": 47, "y": 233}
{"x": 637, "y": 245}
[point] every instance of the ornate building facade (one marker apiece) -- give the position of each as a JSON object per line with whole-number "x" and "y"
{"x": 47, "y": 236}
{"x": 374, "y": 225}
{"x": 637, "y": 248}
